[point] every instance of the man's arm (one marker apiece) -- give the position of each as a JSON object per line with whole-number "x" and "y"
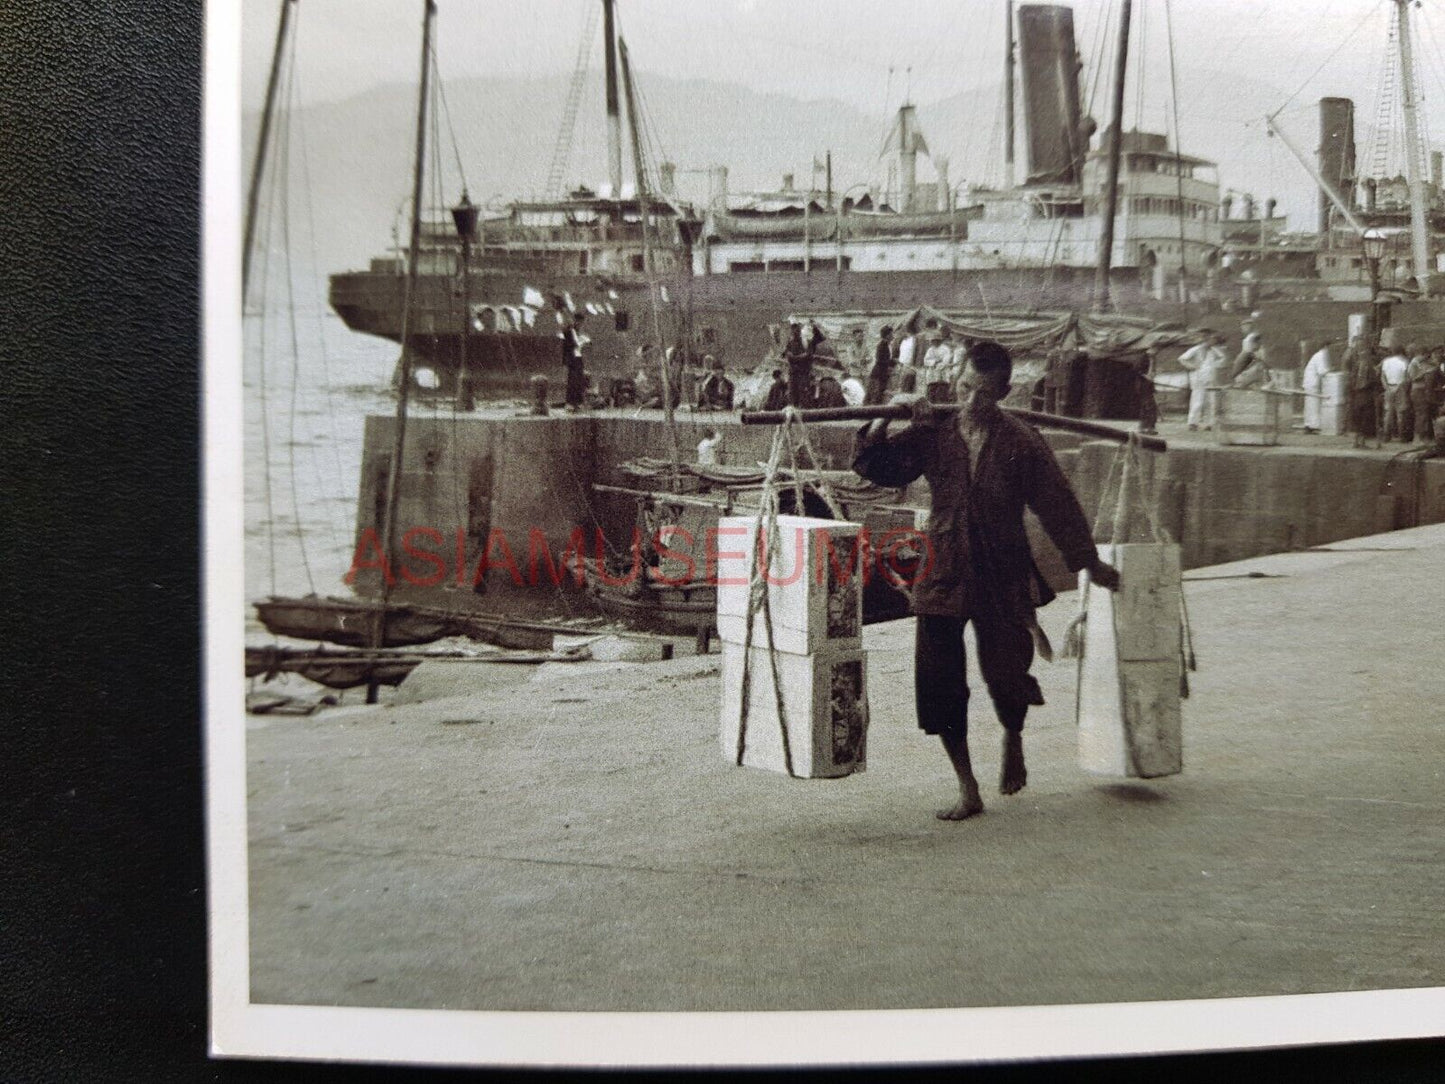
{"x": 1053, "y": 501}
{"x": 897, "y": 460}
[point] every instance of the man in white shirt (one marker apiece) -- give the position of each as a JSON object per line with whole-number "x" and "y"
{"x": 1314, "y": 383}
{"x": 1205, "y": 364}
{"x": 1393, "y": 372}
{"x": 940, "y": 353}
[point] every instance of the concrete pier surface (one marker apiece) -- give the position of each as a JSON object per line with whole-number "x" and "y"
{"x": 573, "y": 839}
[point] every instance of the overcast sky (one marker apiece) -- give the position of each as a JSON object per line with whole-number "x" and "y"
{"x": 861, "y": 51}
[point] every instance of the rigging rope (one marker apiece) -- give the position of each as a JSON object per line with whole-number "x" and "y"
{"x": 441, "y": 96}
{"x": 285, "y": 172}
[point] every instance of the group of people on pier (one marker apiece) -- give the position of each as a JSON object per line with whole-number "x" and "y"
{"x": 1392, "y": 393}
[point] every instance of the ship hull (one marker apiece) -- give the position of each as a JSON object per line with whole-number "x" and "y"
{"x": 731, "y": 316}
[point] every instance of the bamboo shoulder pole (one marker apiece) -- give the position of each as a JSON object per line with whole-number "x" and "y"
{"x": 902, "y": 412}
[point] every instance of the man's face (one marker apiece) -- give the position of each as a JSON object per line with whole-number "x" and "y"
{"x": 974, "y": 389}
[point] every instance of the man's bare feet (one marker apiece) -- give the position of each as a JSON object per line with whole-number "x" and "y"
{"x": 969, "y": 805}
{"x": 1013, "y": 775}
{"x": 963, "y": 811}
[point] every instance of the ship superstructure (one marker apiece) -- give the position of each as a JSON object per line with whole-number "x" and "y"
{"x": 728, "y": 270}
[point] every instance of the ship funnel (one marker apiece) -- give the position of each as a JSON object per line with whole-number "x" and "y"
{"x": 1248, "y": 206}
{"x": 717, "y": 184}
{"x": 1056, "y": 130}
{"x": 1337, "y": 152}
{"x": 1269, "y": 206}
{"x": 905, "y": 139}
{"x": 787, "y": 182}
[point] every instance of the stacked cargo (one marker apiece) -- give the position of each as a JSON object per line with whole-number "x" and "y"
{"x": 814, "y": 590}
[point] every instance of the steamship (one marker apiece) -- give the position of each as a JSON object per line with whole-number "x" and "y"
{"x": 724, "y": 274}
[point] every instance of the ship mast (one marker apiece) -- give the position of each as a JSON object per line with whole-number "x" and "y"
{"x": 258, "y": 168}
{"x": 1008, "y": 95}
{"x": 1111, "y": 180}
{"x": 614, "y": 112}
{"x": 393, "y": 474}
{"x": 643, "y": 202}
{"x": 1419, "y": 239}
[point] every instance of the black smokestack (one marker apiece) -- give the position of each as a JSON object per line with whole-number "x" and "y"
{"x": 1337, "y": 151}
{"x": 1057, "y": 137}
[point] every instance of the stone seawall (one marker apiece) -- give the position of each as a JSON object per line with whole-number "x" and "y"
{"x": 521, "y": 488}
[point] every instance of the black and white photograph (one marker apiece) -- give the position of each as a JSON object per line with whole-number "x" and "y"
{"x": 767, "y": 533}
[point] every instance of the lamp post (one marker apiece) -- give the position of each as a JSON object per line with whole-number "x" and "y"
{"x": 1373, "y": 243}
{"x": 464, "y": 217}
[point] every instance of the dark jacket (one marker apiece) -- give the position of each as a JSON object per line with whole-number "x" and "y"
{"x": 979, "y": 559}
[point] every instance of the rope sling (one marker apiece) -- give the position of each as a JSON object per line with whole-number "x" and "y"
{"x": 790, "y": 439}
{"x": 1129, "y": 497}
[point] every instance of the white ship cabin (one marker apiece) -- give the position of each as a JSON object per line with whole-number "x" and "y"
{"x": 1163, "y": 194}
{"x": 588, "y": 233}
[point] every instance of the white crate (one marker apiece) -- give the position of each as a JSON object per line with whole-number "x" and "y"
{"x": 1334, "y": 409}
{"x": 816, "y": 593}
{"x": 1246, "y": 415}
{"x": 1128, "y": 703}
{"x": 825, "y": 703}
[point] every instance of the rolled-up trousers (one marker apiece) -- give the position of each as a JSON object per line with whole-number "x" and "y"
{"x": 940, "y": 674}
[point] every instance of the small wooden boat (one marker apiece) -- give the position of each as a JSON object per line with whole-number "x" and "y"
{"x": 350, "y": 622}
{"x": 643, "y": 604}
{"x": 335, "y": 670}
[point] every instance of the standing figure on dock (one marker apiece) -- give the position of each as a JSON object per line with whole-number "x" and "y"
{"x": 1148, "y": 404}
{"x": 1421, "y": 376}
{"x": 717, "y": 390}
{"x": 799, "y": 365}
{"x": 572, "y": 361}
{"x": 1250, "y": 353}
{"x": 1204, "y": 363}
{"x": 1363, "y": 377}
{"x": 777, "y": 396}
{"x": 1396, "y": 390}
{"x": 1313, "y": 382}
{"x": 882, "y": 370}
{"x": 984, "y": 467}
{"x": 1250, "y": 370}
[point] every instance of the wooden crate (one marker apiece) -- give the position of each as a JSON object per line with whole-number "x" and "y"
{"x": 1247, "y": 415}
{"x": 825, "y": 703}
{"x": 1128, "y": 702}
{"x": 817, "y": 594}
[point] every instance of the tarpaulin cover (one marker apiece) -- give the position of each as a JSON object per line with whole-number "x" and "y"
{"x": 1099, "y": 336}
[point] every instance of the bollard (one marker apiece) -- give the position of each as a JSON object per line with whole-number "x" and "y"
{"x": 539, "y": 395}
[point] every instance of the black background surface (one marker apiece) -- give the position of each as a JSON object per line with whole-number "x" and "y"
{"x": 102, "y": 885}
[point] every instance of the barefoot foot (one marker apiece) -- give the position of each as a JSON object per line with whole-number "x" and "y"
{"x": 1013, "y": 775}
{"x": 966, "y": 807}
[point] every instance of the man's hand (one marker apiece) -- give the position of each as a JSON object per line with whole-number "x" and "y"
{"x": 921, "y": 409}
{"x": 1104, "y": 574}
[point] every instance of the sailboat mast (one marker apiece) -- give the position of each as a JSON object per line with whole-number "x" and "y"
{"x": 1008, "y": 95}
{"x": 393, "y": 474}
{"x": 649, "y": 268}
{"x": 1111, "y": 179}
{"x": 1419, "y": 239}
{"x": 614, "y": 113}
{"x": 263, "y": 140}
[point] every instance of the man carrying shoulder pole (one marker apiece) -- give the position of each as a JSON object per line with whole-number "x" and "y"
{"x": 983, "y": 468}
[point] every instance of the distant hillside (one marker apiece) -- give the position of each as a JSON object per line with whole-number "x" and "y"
{"x": 357, "y": 152}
